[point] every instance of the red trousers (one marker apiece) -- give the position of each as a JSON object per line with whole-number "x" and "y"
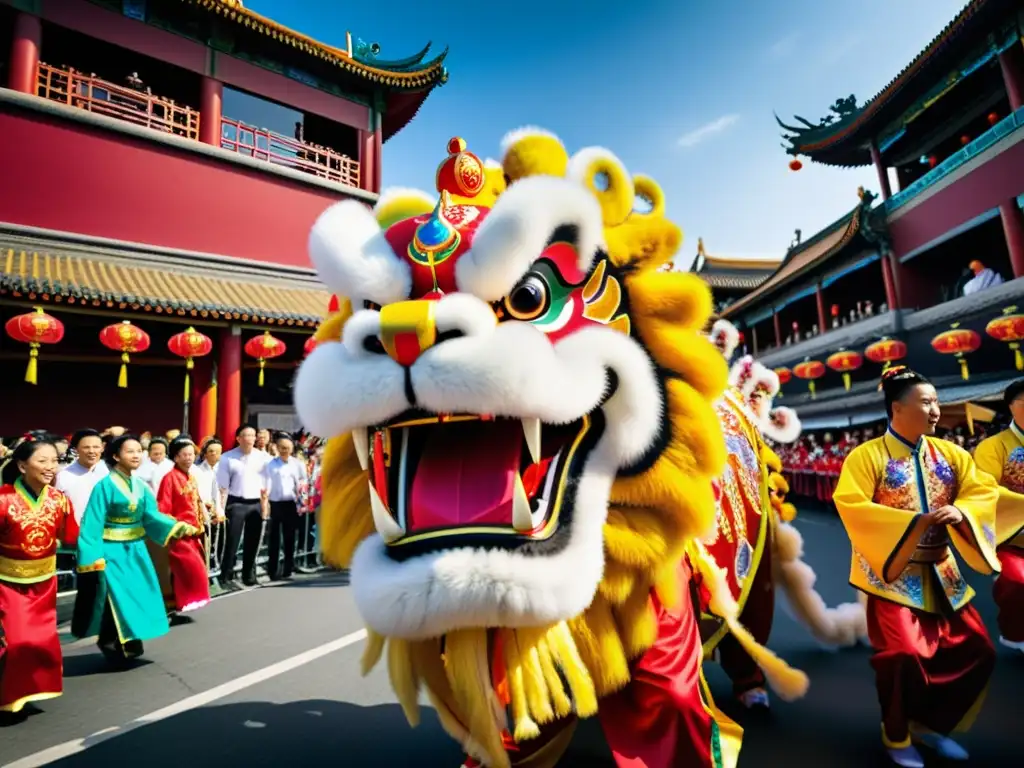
{"x": 930, "y": 669}
{"x": 31, "y": 664}
{"x": 1008, "y": 592}
{"x": 661, "y": 719}
{"x": 757, "y": 618}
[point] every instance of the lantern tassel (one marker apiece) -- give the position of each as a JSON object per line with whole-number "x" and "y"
{"x": 887, "y": 366}
{"x": 188, "y": 379}
{"x": 810, "y": 386}
{"x": 846, "y": 381}
{"x": 122, "y": 378}
{"x": 262, "y": 363}
{"x": 1018, "y": 358}
{"x": 964, "y": 373}
{"x": 32, "y": 371}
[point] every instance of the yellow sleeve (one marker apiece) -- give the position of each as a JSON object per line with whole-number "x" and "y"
{"x": 885, "y": 536}
{"x": 976, "y": 498}
{"x": 990, "y": 456}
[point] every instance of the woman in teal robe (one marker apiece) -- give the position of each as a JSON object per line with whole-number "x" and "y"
{"x": 119, "y": 597}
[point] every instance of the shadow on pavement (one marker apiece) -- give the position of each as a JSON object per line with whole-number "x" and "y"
{"x": 85, "y": 664}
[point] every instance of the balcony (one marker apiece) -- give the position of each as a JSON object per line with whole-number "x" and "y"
{"x": 141, "y": 107}
{"x": 1008, "y": 125}
{"x": 852, "y": 336}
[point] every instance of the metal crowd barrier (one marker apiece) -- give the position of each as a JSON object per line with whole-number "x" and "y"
{"x": 307, "y": 555}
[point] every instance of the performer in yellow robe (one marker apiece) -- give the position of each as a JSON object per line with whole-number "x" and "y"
{"x": 1002, "y": 456}
{"x": 906, "y": 499}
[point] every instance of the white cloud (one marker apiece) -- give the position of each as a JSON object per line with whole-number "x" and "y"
{"x": 696, "y": 136}
{"x": 785, "y": 46}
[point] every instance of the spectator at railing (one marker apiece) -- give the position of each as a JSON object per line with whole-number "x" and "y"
{"x": 287, "y": 488}
{"x": 240, "y": 478}
{"x": 984, "y": 277}
{"x": 205, "y": 471}
{"x": 155, "y": 464}
{"x": 77, "y": 480}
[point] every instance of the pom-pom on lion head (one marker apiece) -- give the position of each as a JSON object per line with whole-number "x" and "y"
{"x": 522, "y": 437}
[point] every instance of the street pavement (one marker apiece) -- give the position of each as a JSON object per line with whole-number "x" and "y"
{"x": 269, "y": 677}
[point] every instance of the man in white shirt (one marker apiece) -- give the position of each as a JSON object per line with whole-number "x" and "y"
{"x": 241, "y": 480}
{"x": 287, "y": 483}
{"x": 77, "y": 480}
{"x": 155, "y": 465}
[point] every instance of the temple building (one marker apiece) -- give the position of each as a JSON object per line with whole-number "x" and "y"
{"x": 730, "y": 279}
{"x": 163, "y": 162}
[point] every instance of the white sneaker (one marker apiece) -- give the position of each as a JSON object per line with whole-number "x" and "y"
{"x": 943, "y": 746}
{"x": 755, "y": 697}
{"x": 1017, "y": 646}
{"x": 907, "y": 757}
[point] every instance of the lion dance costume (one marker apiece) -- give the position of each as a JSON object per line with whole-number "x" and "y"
{"x": 753, "y": 542}
{"x": 522, "y": 445}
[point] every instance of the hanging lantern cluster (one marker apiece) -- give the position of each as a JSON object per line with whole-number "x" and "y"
{"x": 263, "y": 348}
{"x": 810, "y": 370}
{"x": 1009, "y": 328}
{"x": 958, "y": 342}
{"x": 35, "y": 329}
{"x": 189, "y": 344}
{"x": 127, "y": 339}
{"x": 845, "y": 362}
{"x": 886, "y": 351}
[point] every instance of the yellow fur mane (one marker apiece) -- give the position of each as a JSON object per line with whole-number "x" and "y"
{"x": 652, "y": 515}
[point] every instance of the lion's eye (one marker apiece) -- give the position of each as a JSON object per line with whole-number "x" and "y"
{"x": 529, "y": 299}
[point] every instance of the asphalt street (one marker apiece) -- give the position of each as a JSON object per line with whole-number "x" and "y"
{"x": 269, "y": 677}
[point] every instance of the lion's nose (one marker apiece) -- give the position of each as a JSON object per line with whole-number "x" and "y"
{"x": 407, "y": 329}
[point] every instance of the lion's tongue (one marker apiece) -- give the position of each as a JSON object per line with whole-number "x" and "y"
{"x": 466, "y": 475}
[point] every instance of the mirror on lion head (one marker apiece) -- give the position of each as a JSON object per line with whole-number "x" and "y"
{"x": 491, "y": 382}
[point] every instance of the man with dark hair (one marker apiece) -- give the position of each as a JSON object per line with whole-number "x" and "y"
{"x": 286, "y": 486}
{"x": 1002, "y": 457}
{"x": 240, "y": 476}
{"x": 78, "y": 479}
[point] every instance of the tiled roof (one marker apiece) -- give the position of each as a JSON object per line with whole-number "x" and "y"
{"x": 87, "y": 281}
{"x": 407, "y": 74}
{"x": 733, "y": 278}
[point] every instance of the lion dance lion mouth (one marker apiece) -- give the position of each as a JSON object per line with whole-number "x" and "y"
{"x": 522, "y": 437}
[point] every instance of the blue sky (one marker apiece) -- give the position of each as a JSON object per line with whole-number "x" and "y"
{"x": 682, "y": 90}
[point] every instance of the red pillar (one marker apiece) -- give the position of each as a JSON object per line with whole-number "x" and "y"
{"x": 753, "y": 338}
{"x": 1013, "y": 229}
{"x": 203, "y": 415}
{"x": 883, "y": 173}
{"x": 229, "y": 383}
{"x": 1013, "y": 76}
{"x": 778, "y": 328}
{"x": 211, "y": 95}
{"x": 367, "y": 160}
{"x": 23, "y": 72}
{"x": 891, "y": 297}
{"x": 822, "y": 317}
{"x": 378, "y": 156}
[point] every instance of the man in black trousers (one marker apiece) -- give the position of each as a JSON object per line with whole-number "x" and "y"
{"x": 241, "y": 478}
{"x": 287, "y": 484}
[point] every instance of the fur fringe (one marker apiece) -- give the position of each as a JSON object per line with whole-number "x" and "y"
{"x": 790, "y": 684}
{"x": 841, "y": 626}
{"x": 782, "y": 425}
{"x": 725, "y": 336}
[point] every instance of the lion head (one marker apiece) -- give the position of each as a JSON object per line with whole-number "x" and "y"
{"x": 522, "y": 436}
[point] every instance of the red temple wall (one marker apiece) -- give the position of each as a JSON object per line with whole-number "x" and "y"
{"x": 72, "y": 177}
{"x": 70, "y": 396}
{"x": 188, "y": 54}
{"x": 981, "y": 190}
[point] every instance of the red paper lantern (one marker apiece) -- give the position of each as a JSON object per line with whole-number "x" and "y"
{"x": 795, "y": 164}
{"x": 835, "y": 310}
{"x": 993, "y": 118}
{"x": 1009, "y": 328}
{"x": 809, "y": 370}
{"x": 34, "y": 328}
{"x": 785, "y": 376}
{"x": 127, "y": 339}
{"x": 886, "y": 351}
{"x": 309, "y": 346}
{"x": 932, "y": 161}
{"x": 965, "y": 140}
{"x": 844, "y": 362}
{"x": 958, "y": 342}
{"x": 189, "y": 344}
{"x": 264, "y": 348}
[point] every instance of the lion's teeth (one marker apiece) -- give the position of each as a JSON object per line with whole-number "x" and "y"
{"x": 385, "y": 524}
{"x": 522, "y": 519}
{"x": 531, "y": 431}
{"x": 362, "y": 443}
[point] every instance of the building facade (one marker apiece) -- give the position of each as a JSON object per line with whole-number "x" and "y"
{"x": 163, "y": 163}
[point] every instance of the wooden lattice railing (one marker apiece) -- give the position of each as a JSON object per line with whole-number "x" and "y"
{"x": 291, "y": 153}
{"x": 101, "y": 97}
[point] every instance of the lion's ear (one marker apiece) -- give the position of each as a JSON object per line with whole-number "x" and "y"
{"x": 532, "y": 152}
{"x": 606, "y": 177}
{"x": 330, "y": 329}
{"x": 398, "y": 203}
{"x": 650, "y": 192}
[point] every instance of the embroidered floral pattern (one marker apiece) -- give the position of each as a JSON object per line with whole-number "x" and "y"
{"x": 909, "y": 587}
{"x": 1013, "y": 471}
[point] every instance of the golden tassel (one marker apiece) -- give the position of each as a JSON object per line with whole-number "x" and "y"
{"x": 32, "y": 371}
{"x": 846, "y": 381}
{"x": 964, "y": 373}
{"x": 122, "y": 377}
{"x": 887, "y": 366}
{"x": 187, "y": 386}
{"x": 189, "y": 365}
{"x": 262, "y": 363}
{"x": 1018, "y": 358}
{"x": 810, "y": 386}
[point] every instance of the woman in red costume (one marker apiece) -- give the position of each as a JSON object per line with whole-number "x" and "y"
{"x": 34, "y": 519}
{"x": 179, "y": 498}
